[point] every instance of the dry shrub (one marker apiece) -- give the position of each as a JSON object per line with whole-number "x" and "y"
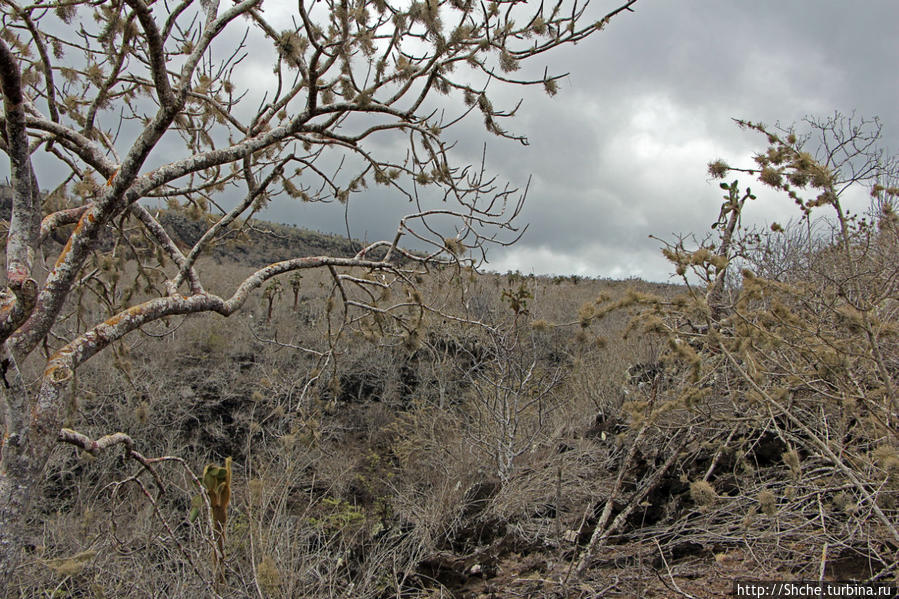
{"x": 782, "y": 350}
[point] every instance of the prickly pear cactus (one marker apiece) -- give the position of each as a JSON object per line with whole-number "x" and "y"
{"x": 217, "y": 483}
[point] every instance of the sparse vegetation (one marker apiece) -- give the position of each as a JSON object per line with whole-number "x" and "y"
{"x": 627, "y": 456}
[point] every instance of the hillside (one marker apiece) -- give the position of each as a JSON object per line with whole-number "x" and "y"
{"x": 575, "y": 446}
{"x": 258, "y": 244}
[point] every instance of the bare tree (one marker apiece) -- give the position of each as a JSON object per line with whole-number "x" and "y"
{"x": 511, "y": 388}
{"x": 138, "y": 100}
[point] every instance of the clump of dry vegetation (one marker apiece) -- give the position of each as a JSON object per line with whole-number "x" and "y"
{"x": 440, "y": 456}
{"x": 780, "y": 366}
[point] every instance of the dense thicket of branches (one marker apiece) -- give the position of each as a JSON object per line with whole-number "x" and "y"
{"x": 782, "y": 357}
{"x": 132, "y": 100}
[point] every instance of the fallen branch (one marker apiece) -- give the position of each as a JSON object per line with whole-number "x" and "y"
{"x": 601, "y": 534}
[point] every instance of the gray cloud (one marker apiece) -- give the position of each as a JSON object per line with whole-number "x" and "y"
{"x": 621, "y": 152}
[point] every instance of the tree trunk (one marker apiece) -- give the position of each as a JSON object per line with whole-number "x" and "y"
{"x": 17, "y": 485}
{"x": 32, "y": 429}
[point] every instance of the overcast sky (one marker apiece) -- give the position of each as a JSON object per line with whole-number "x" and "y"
{"x": 621, "y": 152}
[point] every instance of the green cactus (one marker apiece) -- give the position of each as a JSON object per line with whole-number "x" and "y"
{"x": 217, "y": 483}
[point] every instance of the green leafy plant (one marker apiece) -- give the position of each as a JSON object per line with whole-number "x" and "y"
{"x": 338, "y": 515}
{"x": 517, "y": 298}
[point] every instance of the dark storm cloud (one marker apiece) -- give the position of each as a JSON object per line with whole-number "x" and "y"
{"x": 621, "y": 153}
